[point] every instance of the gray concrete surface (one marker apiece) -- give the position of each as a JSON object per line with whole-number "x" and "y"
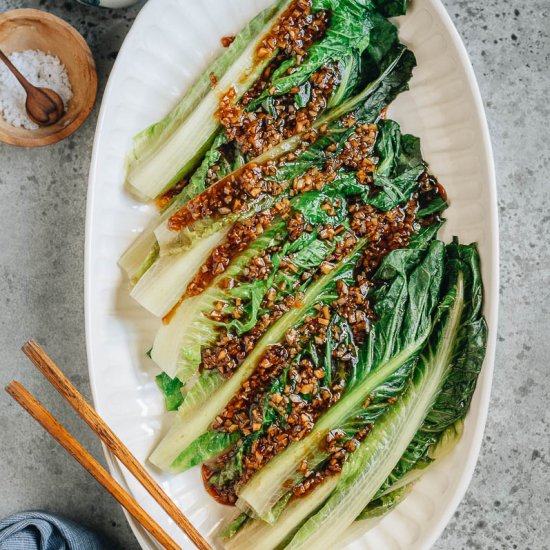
{"x": 42, "y": 209}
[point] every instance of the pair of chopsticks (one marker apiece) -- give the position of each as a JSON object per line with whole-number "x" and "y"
{"x": 62, "y": 384}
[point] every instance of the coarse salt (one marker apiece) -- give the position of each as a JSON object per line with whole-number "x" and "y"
{"x": 39, "y": 68}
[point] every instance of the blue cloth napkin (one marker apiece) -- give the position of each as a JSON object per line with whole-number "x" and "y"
{"x": 41, "y": 531}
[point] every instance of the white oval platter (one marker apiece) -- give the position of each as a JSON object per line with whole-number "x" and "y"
{"x": 170, "y": 43}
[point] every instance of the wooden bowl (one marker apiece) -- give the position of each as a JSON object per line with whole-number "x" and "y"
{"x": 28, "y": 29}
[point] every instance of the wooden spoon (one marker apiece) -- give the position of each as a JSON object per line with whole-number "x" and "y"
{"x": 43, "y": 105}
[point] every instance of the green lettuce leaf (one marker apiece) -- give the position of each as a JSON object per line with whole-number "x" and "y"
{"x": 208, "y": 445}
{"x": 391, "y": 8}
{"x": 171, "y": 388}
{"x": 438, "y": 396}
{"x": 400, "y": 166}
{"x": 349, "y": 30}
{"x": 405, "y": 308}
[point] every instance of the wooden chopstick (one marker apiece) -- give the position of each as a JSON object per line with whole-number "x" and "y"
{"x": 63, "y": 385}
{"x": 80, "y": 454}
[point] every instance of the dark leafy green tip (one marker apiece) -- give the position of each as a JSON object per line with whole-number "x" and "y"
{"x": 421, "y": 238}
{"x": 395, "y": 74}
{"x": 387, "y": 147}
{"x": 453, "y": 400}
{"x": 399, "y": 168}
{"x": 350, "y": 78}
{"x": 391, "y": 8}
{"x": 468, "y": 257}
{"x": 410, "y": 155}
{"x": 396, "y": 268}
{"x": 415, "y": 456}
{"x": 456, "y": 394}
{"x": 208, "y": 445}
{"x": 358, "y": 69}
{"x": 403, "y": 260}
{"x": 171, "y": 388}
{"x": 405, "y": 307}
{"x": 424, "y": 290}
{"x": 383, "y": 39}
{"x": 437, "y": 205}
{"x": 404, "y": 304}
